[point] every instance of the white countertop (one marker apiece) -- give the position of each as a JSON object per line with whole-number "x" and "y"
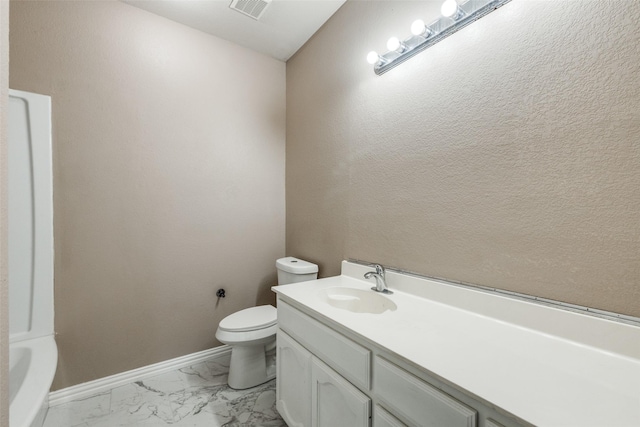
{"x": 547, "y": 366}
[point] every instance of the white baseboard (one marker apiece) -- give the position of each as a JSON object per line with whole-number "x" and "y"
{"x": 100, "y": 385}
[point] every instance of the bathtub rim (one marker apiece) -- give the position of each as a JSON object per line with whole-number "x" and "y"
{"x": 34, "y": 390}
{"x": 42, "y": 299}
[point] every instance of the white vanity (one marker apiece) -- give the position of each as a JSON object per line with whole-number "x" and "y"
{"x": 436, "y": 354}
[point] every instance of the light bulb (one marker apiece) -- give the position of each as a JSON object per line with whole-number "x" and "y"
{"x": 393, "y": 43}
{"x": 418, "y": 27}
{"x": 373, "y": 57}
{"x": 449, "y": 8}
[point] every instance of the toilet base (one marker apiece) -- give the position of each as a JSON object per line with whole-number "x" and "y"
{"x": 252, "y": 365}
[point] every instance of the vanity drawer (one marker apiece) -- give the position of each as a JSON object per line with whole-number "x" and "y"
{"x": 351, "y": 360}
{"x": 382, "y": 418}
{"x": 417, "y": 400}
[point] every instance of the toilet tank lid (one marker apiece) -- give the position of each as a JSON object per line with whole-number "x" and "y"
{"x": 250, "y": 319}
{"x": 296, "y": 266}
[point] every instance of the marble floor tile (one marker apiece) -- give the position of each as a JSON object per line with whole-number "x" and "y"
{"x": 138, "y": 402}
{"x": 202, "y": 375}
{"x": 196, "y": 396}
{"x": 79, "y": 412}
{"x": 219, "y": 365}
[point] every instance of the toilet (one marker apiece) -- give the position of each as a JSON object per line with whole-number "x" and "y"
{"x": 251, "y": 333}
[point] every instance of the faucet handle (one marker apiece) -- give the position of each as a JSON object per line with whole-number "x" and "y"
{"x": 379, "y": 269}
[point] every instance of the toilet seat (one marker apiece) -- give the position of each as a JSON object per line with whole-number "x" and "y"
{"x": 250, "y": 319}
{"x": 250, "y": 326}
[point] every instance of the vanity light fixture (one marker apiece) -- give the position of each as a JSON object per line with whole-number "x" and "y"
{"x": 456, "y": 14}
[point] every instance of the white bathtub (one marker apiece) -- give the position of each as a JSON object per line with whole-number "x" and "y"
{"x": 33, "y": 354}
{"x": 32, "y": 365}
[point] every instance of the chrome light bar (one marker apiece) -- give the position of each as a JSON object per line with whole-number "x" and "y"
{"x": 455, "y": 16}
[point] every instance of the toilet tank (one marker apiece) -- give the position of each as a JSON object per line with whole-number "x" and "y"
{"x": 294, "y": 270}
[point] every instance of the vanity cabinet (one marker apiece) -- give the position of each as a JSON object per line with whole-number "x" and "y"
{"x": 334, "y": 401}
{"x": 293, "y": 381}
{"x": 348, "y": 358}
{"x": 328, "y": 379}
{"x": 310, "y": 393}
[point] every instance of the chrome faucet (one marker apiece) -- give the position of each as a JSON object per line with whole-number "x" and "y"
{"x": 381, "y": 283}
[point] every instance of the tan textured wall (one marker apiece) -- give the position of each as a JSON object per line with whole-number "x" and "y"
{"x": 4, "y": 285}
{"x": 168, "y": 150}
{"x": 506, "y": 155}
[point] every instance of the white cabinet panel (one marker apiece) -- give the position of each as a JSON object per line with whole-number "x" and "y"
{"x": 417, "y": 400}
{"x": 351, "y": 360}
{"x": 382, "y": 418}
{"x": 335, "y": 401}
{"x": 293, "y": 382}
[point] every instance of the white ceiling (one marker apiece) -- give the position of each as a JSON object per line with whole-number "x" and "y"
{"x": 284, "y": 27}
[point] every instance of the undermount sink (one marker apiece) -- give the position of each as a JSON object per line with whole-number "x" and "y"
{"x": 356, "y": 300}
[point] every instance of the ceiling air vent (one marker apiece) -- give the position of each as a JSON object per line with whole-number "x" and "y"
{"x": 251, "y": 8}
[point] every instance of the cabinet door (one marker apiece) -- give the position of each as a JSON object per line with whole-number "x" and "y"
{"x": 334, "y": 401}
{"x": 293, "y": 382}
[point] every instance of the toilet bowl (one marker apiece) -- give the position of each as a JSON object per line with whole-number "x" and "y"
{"x": 251, "y": 333}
